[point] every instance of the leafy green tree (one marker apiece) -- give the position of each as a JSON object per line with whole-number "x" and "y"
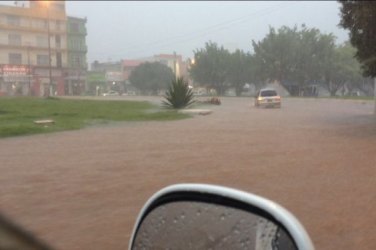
{"x": 275, "y": 55}
{"x": 239, "y": 70}
{"x": 315, "y": 53}
{"x": 211, "y": 67}
{"x": 360, "y": 18}
{"x": 179, "y": 95}
{"x": 150, "y": 77}
{"x": 345, "y": 69}
{"x": 293, "y": 57}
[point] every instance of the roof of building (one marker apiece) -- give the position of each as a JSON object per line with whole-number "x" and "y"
{"x": 168, "y": 56}
{"x": 82, "y": 19}
{"x": 132, "y": 63}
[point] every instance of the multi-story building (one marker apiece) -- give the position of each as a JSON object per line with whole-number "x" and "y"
{"x": 76, "y": 54}
{"x": 106, "y": 66}
{"x": 34, "y": 49}
{"x": 113, "y": 74}
{"x": 129, "y": 66}
{"x": 173, "y": 61}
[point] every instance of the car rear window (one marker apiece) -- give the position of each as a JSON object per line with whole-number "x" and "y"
{"x": 268, "y": 93}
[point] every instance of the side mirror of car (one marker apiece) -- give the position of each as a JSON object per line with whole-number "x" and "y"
{"x": 199, "y": 216}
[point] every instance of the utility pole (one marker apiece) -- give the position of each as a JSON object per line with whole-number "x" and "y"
{"x": 175, "y": 65}
{"x": 29, "y": 68}
{"x": 49, "y": 51}
{"x": 79, "y": 73}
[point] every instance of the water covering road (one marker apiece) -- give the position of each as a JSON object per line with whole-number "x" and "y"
{"x": 83, "y": 189}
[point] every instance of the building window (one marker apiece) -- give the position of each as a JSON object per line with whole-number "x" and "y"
{"x": 13, "y": 20}
{"x": 59, "y": 62}
{"x": 76, "y": 60}
{"x": 15, "y": 58}
{"x": 42, "y": 41}
{"x": 57, "y": 6}
{"x": 57, "y": 25}
{"x": 58, "y": 41}
{"x": 60, "y": 7}
{"x": 76, "y": 44}
{"x": 42, "y": 59}
{"x": 14, "y": 39}
{"x": 74, "y": 27}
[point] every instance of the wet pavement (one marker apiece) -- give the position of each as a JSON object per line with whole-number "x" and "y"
{"x": 83, "y": 189}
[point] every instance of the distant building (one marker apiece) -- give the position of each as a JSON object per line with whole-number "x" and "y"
{"x": 113, "y": 72}
{"x": 76, "y": 53}
{"x": 31, "y": 38}
{"x": 106, "y": 66}
{"x": 129, "y": 66}
{"x": 117, "y": 73}
{"x": 173, "y": 61}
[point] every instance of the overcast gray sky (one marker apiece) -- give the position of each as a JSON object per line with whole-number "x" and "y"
{"x": 135, "y": 29}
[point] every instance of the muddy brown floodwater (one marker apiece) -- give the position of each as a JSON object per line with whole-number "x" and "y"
{"x": 83, "y": 189}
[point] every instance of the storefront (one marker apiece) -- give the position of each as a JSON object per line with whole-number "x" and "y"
{"x": 75, "y": 82}
{"x": 24, "y": 80}
{"x": 15, "y": 80}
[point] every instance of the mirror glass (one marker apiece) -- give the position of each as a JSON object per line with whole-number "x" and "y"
{"x": 199, "y": 225}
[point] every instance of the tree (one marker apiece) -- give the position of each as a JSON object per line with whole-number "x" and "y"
{"x": 239, "y": 70}
{"x": 150, "y": 77}
{"x": 293, "y": 57}
{"x": 275, "y": 55}
{"x": 360, "y": 17}
{"x": 211, "y": 67}
{"x": 179, "y": 95}
{"x": 345, "y": 70}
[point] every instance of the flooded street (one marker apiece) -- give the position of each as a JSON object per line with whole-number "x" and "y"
{"x": 83, "y": 189}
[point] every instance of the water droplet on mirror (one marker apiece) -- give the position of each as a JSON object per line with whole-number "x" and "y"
{"x": 198, "y": 212}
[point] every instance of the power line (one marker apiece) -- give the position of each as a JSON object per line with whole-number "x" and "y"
{"x": 207, "y": 29}
{"x": 162, "y": 43}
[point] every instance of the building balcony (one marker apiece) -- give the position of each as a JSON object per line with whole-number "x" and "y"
{"x": 83, "y": 49}
{"x": 31, "y": 47}
{"x": 32, "y": 67}
{"x": 76, "y": 33}
{"x": 43, "y": 30}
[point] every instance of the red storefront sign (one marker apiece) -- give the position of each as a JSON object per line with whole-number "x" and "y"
{"x": 14, "y": 70}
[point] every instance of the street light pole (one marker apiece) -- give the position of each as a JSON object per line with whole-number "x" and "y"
{"x": 49, "y": 52}
{"x": 175, "y": 65}
{"x": 29, "y": 67}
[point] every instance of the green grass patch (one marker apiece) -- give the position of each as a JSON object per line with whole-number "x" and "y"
{"x": 17, "y": 114}
{"x": 364, "y": 98}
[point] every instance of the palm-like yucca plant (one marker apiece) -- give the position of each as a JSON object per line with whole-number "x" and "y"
{"x": 178, "y": 95}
